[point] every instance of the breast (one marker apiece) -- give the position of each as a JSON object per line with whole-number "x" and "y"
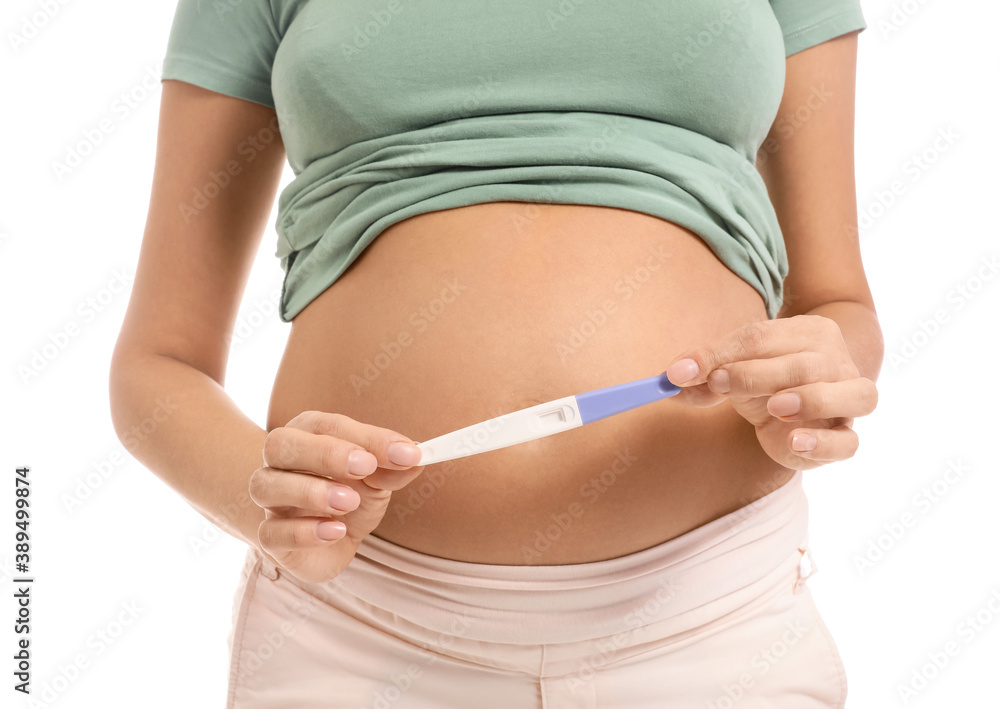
{"x": 350, "y": 72}
{"x": 456, "y": 316}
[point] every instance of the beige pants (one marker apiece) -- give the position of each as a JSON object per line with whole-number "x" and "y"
{"x": 717, "y": 618}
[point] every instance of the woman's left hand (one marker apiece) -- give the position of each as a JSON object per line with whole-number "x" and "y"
{"x": 792, "y": 378}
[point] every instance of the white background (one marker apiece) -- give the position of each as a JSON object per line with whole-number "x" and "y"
{"x": 924, "y": 67}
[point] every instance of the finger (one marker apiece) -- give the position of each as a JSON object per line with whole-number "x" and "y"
{"x": 375, "y": 439}
{"x": 823, "y": 444}
{"x": 760, "y": 377}
{"x": 280, "y": 534}
{"x": 274, "y": 488}
{"x": 825, "y": 400}
{"x": 756, "y": 340}
{"x": 325, "y": 445}
{"x": 294, "y": 449}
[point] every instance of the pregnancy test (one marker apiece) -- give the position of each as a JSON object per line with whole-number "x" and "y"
{"x": 545, "y": 419}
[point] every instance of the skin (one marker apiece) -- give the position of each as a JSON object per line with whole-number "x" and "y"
{"x": 335, "y": 460}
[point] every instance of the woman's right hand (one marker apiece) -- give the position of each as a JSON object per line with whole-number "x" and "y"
{"x": 325, "y": 485}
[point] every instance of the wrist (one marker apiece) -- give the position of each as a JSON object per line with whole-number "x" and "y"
{"x": 861, "y": 331}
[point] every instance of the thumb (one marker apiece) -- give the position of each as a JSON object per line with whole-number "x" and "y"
{"x": 698, "y": 396}
{"x": 392, "y": 480}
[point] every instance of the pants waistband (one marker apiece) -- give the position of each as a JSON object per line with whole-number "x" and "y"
{"x": 680, "y": 584}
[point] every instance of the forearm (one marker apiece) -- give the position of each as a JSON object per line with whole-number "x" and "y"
{"x": 181, "y": 425}
{"x": 862, "y": 333}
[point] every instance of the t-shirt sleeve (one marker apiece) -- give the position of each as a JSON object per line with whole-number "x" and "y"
{"x": 806, "y": 23}
{"x": 224, "y": 46}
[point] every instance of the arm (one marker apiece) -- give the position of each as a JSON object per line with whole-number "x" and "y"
{"x": 802, "y": 378}
{"x": 168, "y": 404}
{"x": 304, "y": 494}
{"x": 808, "y": 167}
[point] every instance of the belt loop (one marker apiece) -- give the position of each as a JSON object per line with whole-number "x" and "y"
{"x": 267, "y": 567}
{"x": 807, "y": 567}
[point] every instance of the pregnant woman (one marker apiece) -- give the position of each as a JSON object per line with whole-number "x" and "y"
{"x": 496, "y": 205}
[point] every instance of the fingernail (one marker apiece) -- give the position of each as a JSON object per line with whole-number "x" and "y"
{"x": 404, "y": 453}
{"x": 787, "y": 404}
{"x": 803, "y": 442}
{"x": 344, "y": 498}
{"x": 361, "y": 463}
{"x": 330, "y": 529}
{"x": 683, "y": 370}
{"x": 718, "y": 381}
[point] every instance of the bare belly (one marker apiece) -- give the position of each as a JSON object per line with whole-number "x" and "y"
{"x": 453, "y": 317}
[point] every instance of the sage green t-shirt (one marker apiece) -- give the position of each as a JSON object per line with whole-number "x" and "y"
{"x": 392, "y": 108}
